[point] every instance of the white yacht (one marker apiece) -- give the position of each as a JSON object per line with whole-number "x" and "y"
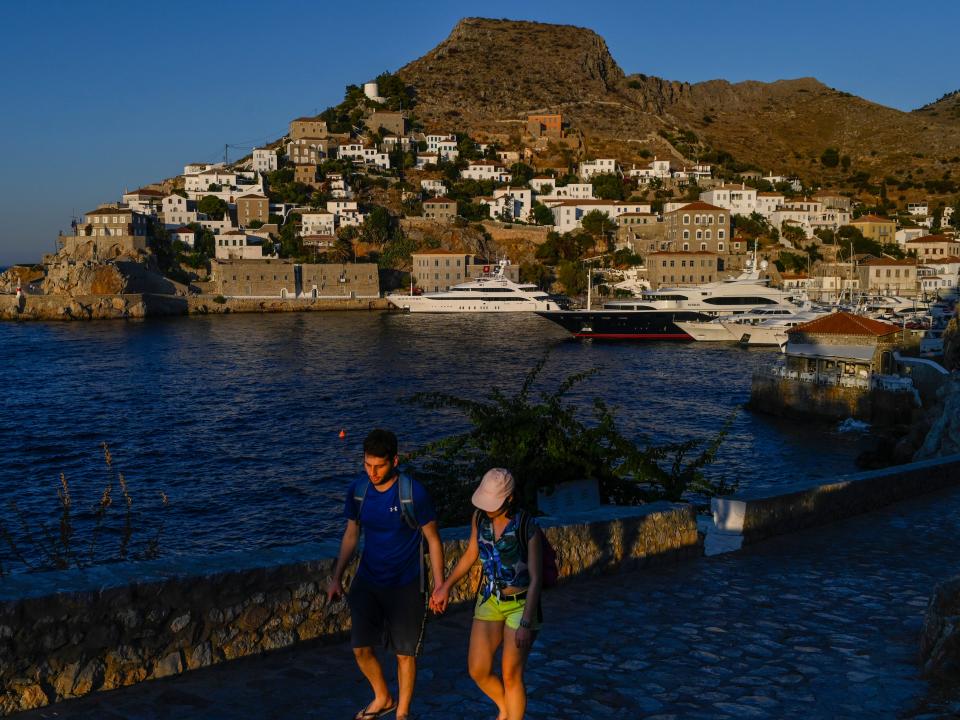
{"x": 490, "y": 293}
{"x": 728, "y": 328}
{"x": 772, "y": 331}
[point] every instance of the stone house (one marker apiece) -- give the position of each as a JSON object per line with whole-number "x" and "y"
{"x": 698, "y": 226}
{"x": 235, "y": 245}
{"x": 307, "y": 127}
{"x": 880, "y": 229}
{"x": 251, "y": 207}
{"x": 305, "y": 173}
{"x": 643, "y": 233}
{"x": 440, "y": 208}
{"x": 842, "y": 345}
{"x": 310, "y": 150}
{"x": 441, "y": 269}
{"x": 673, "y": 268}
{"x": 275, "y": 278}
{"x": 884, "y": 276}
{"x": 550, "y": 126}
{"x": 390, "y": 121}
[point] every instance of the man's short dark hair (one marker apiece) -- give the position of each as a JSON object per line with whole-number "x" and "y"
{"x": 380, "y": 443}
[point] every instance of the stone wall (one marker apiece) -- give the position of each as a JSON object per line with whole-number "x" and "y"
{"x": 793, "y": 398}
{"x": 89, "y": 307}
{"x": 940, "y": 638}
{"x": 759, "y": 514}
{"x": 67, "y": 634}
{"x": 204, "y": 305}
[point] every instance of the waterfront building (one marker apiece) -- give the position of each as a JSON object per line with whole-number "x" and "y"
{"x": 441, "y": 269}
{"x": 683, "y": 268}
{"x": 873, "y": 227}
{"x": 933, "y": 247}
{"x": 885, "y": 276}
{"x": 698, "y": 226}
{"x": 276, "y": 278}
{"x": 235, "y": 245}
{"x": 112, "y": 230}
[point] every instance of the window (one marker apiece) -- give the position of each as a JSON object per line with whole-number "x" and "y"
{"x": 699, "y": 234}
{"x": 703, "y": 246}
{"x": 721, "y": 234}
{"x": 686, "y": 219}
{"x": 720, "y": 247}
{"x": 686, "y": 246}
{"x": 686, "y": 234}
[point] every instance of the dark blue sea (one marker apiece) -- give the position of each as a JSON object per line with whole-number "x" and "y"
{"x": 236, "y": 418}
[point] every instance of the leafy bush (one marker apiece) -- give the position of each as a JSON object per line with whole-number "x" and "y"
{"x": 545, "y": 443}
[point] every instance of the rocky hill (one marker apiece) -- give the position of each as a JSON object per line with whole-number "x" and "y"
{"x": 946, "y": 109}
{"x": 488, "y": 74}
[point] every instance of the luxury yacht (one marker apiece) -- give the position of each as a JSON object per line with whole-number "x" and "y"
{"x": 655, "y": 315}
{"x": 716, "y": 329}
{"x": 490, "y": 293}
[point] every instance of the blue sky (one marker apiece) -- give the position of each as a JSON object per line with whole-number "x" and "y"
{"x": 108, "y": 95}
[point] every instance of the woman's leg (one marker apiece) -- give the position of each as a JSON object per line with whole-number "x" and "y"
{"x": 485, "y": 638}
{"x": 514, "y": 659}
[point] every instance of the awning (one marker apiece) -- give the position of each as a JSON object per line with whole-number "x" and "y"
{"x": 864, "y": 353}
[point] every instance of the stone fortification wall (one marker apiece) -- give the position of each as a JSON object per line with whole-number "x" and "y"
{"x": 277, "y": 279}
{"x": 204, "y": 305}
{"x": 67, "y": 634}
{"x": 792, "y": 398}
{"x": 758, "y": 515}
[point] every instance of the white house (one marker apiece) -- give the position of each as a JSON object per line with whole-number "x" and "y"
{"x": 235, "y": 245}
{"x": 738, "y": 199}
{"x": 905, "y": 235}
{"x": 433, "y": 187}
{"x": 371, "y": 156}
{"x": 510, "y": 204}
{"x": 920, "y": 208}
{"x": 318, "y": 223}
{"x": 486, "y": 170}
{"x": 350, "y": 217}
{"x": 351, "y": 151}
{"x": 194, "y": 168}
{"x": 264, "y": 160}
{"x": 178, "y": 211}
{"x": 434, "y": 140}
{"x": 338, "y": 206}
{"x": 768, "y": 202}
{"x": 655, "y": 169}
{"x": 184, "y": 234}
{"x": 339, "y": 188}
{"x": 392, "y": 142}
{"x": 568, "y": 214}
{"x": 946, "y": 270}
{"x": 573, "y": 191}
{"x": 424, "y": 159}
{"x": 603, "y": 166}
{"x": 447, "y": 150}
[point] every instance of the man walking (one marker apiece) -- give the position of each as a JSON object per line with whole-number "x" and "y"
{"x": 388, "y": 595}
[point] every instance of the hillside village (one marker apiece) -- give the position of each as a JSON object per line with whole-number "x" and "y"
{"x": 366, "y": 186}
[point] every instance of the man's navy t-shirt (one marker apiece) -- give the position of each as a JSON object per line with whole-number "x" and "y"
{"x": 391, "y": 548}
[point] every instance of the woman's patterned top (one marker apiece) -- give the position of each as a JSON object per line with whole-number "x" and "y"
{"x": 504, "y": 563}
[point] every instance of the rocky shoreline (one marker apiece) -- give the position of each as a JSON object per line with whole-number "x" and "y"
{"x": 134, "y": 306}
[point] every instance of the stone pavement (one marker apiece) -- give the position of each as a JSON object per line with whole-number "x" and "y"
{"x": 819, "y": 624}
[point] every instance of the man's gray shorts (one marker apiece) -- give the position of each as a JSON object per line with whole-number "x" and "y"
{"x": 394, "y": 617}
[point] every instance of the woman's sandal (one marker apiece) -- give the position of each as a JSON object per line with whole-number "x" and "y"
{"x": 364, "y": 714}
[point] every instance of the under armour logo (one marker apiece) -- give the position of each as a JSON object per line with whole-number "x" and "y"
{"x": 395, "y": 508}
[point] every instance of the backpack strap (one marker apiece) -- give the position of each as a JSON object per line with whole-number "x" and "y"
{"x": 523, "y": 527}
{"x": 360, "y": 494}
{"x": 406, "y": 502}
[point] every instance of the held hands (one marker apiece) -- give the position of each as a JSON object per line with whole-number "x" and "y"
{"x": 439, "y": 599}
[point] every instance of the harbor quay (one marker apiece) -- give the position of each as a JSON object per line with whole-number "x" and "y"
{"x": 822, "y": 622}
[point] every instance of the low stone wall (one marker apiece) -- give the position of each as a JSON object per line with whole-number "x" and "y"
{"x": 940, "y": 639}
{"x": 758, "y": 514}
{"x": 797, "y": 399}
{"x": 68, "y": 634}
{"x": 89, "y": 307}
{"x": 204, "y": 305}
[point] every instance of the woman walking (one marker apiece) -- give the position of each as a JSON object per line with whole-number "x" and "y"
{"x": 508, "y": 544}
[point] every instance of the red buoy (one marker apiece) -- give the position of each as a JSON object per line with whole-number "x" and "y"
{"x": 343, "y": 434}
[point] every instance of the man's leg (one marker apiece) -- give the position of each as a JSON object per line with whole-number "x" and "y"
{"x": 406, "y": 679}
{"x": 485, "y": 638}
{"x": 366, "y": 616}
{"x": 370, "y": 667}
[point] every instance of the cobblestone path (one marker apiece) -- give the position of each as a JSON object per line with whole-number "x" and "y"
{"x": 818, "y": 624}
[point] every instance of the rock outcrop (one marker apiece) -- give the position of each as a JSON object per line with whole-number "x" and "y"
{"x": 944, "y": 436}
{"x": 940, "y": 639}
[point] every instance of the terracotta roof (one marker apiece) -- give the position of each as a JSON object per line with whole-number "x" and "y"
{"x": 184, "y": 229}
{"x": 770, "y": 194}
{"x": 888, "y": 261}
{"x": 844, "y": 323}
{"x": 698, "y": 205}
{"x": 254, "y": 195}
{"x": 932, "y": 239}
{"x": 872, "y": 218}
{"x": 683, "y": 252}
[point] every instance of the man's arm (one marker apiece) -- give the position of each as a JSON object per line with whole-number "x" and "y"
{"x": 348, "y": 544}
{"x": 432, "y": 534}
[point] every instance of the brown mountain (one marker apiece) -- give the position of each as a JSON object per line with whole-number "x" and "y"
{"x": 489, "y": 74}
{"x": 946, "y": 109}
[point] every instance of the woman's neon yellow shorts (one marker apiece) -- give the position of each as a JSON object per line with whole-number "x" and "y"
{"x": 506, "y": 611}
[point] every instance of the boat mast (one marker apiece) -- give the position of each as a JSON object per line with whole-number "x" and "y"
{"x": 589, "y": 288}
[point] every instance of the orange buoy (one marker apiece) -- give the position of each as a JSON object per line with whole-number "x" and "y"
{"x": 343, "y": 434}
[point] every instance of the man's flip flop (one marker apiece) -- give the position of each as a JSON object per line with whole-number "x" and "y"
{"x": 364, "y": 714}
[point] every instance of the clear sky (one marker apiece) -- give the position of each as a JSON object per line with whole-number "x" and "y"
{"x": 104, "y": 95}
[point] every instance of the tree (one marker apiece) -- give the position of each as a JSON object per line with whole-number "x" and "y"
{"x": 537, "y": 274}
{"x": 376, "y": 226}
{"x": 291, "y": 244}
{"x": 830, "y": 157}
{"x": 542, "y": 215}
{"x": 572, "y": 276}
{"x": 598, "y": 223}
{"x": 212, "y": 206}
{"x": 397, "y": 252}
{"x": 342, "y": 250}
{"x": 521, "y": 172}
{"x": 608, "y": 186}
